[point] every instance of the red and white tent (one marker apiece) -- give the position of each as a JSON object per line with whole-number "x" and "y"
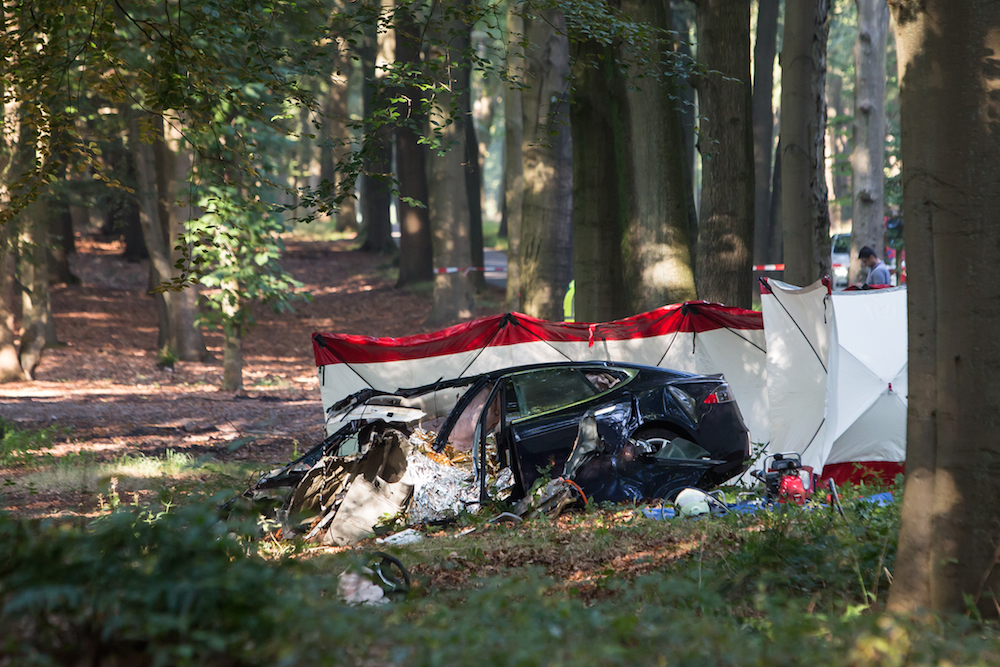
{"x": 837, "y": 377}
{"x": 695, "y": 337}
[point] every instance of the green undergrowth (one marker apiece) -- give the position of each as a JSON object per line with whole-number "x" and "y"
{"x": 793, "y": 587}
{"x": 172, "y": 475}
{"x": 19, "y": 447}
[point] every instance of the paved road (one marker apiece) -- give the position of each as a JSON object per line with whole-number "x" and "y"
{"x": 496, "y": 258}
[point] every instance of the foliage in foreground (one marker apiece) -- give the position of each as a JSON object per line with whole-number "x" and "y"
{"x": 182, "y": 588}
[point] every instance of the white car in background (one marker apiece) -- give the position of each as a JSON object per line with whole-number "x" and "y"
{"x": 840, "y": 259}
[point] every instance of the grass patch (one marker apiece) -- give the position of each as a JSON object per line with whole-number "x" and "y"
{"x": 19, "y": 447}
{"x": 175, "y": 471}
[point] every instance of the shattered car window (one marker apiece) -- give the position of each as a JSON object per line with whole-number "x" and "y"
{"x": 551, "y": 389}
{"x": 681, "y": 448}
{"x": 604, "y": 380}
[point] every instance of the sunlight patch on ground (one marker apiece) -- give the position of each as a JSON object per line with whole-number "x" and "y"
{"x": 133, "y": 472}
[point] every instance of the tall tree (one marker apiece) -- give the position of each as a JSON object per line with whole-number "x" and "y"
{"x": 765, "y": 49}
{"x": 336, "y": 133}
{"x": 723, "y": 269}
{"x": 513, "y": 178}
{"x": 447, "y": 195}
{"x": 595, "y": 119}
{"x": 546, "y": 250}
{"x": 631, "y": 243}
{"x": 473, "y": 170}
{"x": 805, "y": 209}
{"x": 868, "y": 157}
{"x": 178, "y": 337}
{"x": 950, "y": 530}
{"x": 657, "y": 248}
{"x": 416, "y": 251}
{"x": 10, "y": 364}
{"x": 38, "y": 327}
{"x": 376, "y": 179}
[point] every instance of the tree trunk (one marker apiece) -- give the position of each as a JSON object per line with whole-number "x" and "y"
{"x": 10, "y": 364}
{"x": 950, "y": 530}
{"x": 725, "y": 226}
{"x": 513, "y": 174}
{"x": 416, "y": 250}
{"x": 37, "y": 323}
{"x": 546, "y": 250}
{"x": 337, "y": 139}
{"x": 681, "y": 12}
{"x": 868, "y": 158}
{"x": 447, "y": 196}
{"x": 764, "y": 50}
{"x": 376, "y": 193}
{"x": 657, "y": 245}
{"x": 804, "y": 201}
{"x": 173, "y": 164}
{"x": 153, "y": 231}
{"x": 776, "y": 239}
{"x": 232, "y": 335}
{"x": 473, "y": 170}
{"x": 839, "y": 141}
{"x": 61, "y": 242}
{"x": 595, "y": 119}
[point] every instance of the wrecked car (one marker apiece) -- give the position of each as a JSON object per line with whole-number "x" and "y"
{"x": 658, "y": 430}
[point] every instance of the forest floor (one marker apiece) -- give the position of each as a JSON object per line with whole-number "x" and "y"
{"x": 100, "y": 398}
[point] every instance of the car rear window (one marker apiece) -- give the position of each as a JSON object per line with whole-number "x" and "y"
{"x": 550, "y": 389}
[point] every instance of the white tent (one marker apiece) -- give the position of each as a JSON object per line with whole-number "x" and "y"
{"x": 695, "y": 337}
{"x": 837, "y": 376}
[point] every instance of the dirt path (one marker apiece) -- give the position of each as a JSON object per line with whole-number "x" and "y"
{"x": 104, "y": 390}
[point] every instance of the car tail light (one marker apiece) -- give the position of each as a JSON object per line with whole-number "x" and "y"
{"x": 722, "y": 394}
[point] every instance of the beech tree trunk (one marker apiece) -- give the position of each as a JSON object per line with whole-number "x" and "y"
{"x": 416, "y": 250}
{"x": 950, "y": 531}
{"x": 376, "y": 193}
{"x": 546, "y": 250}
{"x": 173, "y": 165}
{"x": 726, "y": 221}
{"x": 473, "y": 171}
{"x": 805, "y": 210}
{"x": 61, "y": 243}
{"x": 337, "y": 138}
{"x": 37, "y": 324}
{"x": 840, "y": 143}
{"x": 152, "y": 168}
{"x": 681, "y": 17}
{"x": 513, "y": 177}
{"x": 776, "y": 238}
{"x": 595, "y": 119}
{"x": 631, "y": 244}
{"x": 10, "y": 364}
{"x": 868, "y": 157}
{"x": 764, "y": 51}
{"x": 657, "y": 245}
{"x": 447, "y": 196}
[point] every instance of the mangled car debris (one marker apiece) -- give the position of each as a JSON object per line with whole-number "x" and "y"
{"x": 591, "y": 431}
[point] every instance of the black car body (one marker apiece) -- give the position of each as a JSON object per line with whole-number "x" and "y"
{"x": 662, "y": 430}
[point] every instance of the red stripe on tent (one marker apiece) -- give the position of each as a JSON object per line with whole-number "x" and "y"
{"x": 513, "y": 328}
{"x": 856, "y": 472}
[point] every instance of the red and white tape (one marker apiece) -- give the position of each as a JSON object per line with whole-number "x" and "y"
{"x": 768, "y": 267}
{"x": 466, "y": 270}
